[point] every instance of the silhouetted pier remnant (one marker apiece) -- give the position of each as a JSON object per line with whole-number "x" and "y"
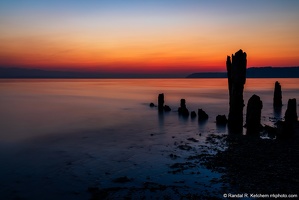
{"x": 287, "y": 128}
{"x": 253, "y": 115}
{"x": 221, "y": 120}
{"x": 202, "y": 115}
{"x": 236, "y": 73}
{"x": 167, "y": 108}
{"x": 193, "y": 114}
{"x": 277, "y": 99}
{"x": 183, "y": 109}
{"x": 161, "y": 102}
{"x": 152, "y": 105}
{"x": 291, "y": 112}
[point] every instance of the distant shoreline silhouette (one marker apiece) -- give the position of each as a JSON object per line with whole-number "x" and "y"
{"x": 253, "y": 72}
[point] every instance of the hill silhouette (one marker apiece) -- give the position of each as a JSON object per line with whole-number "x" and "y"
{"x": 255, "y": 72}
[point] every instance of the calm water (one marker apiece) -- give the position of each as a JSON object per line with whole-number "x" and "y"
{"x": 58, "y": 137}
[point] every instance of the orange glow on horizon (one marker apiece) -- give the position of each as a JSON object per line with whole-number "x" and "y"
{"x": 194, "y": 38}
{"x": 147, "y": 57}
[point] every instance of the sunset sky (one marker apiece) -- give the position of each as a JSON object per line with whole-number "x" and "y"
{"x": 155, "y": 36}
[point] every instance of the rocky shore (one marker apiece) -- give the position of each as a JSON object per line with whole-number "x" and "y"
{"x": 255, "y": 165}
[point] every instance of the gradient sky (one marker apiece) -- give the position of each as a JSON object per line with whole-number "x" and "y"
{"x": 156, "y": 36}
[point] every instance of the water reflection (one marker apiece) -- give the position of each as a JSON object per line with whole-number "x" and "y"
{"x": 92, "y": 121}
{"x": 183, "y": 119}
{"x": 202, "y": 124}
{"x": 277, "y": 112}
{"x": 221, "y": 128}
{"x": 80, "y": 104}
{"x": 161, "y": 118}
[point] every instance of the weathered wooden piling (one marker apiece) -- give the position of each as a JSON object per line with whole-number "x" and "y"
{"x": 236, "y": 74}
{"x": 253, "y": 115}
{"x": 277, "y": 99}
{"x": 161, "y": 102}
{"x": 183, "y": 109}
{"x": 291, "y": 112}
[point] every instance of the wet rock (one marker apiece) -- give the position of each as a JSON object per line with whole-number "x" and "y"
{"x": 153, "y": 187}
{"x": 179, "y": 181}
{"x": 277, "y": 99}
{"x": 123, "y": 179}
{"x": 192, "y": 139}
{"x": 202, "y": 115}
{"x": 236, "y": 74}
{"x": 193, "y": 114}
{"x": 182, "y": 166}
{"x": 185, "y": 147}
{"x": 173, "y": 156}
{"x": 249, "y": 161}
{"x": 161, "y": 102}
{"x": 152, "y": 105}
{"x": 183, "y": 109}
{"x": 253, "y": 115}
{"x": 271, "y": 131}
{"x": 221, "y": 120}
{"x": 167, "y": 108}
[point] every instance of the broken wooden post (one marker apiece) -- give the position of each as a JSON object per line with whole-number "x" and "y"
{"x": 236, "y": 74}
{"x": 183, "y": 109}
{"x": 277, "y": 99}
{"x": 253, "y": 115}
{"x": 161, "y": 102}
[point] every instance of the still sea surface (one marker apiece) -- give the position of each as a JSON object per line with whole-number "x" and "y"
{"x": 60, "y": 136}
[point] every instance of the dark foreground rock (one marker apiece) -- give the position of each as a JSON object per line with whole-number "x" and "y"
{"x": 254, "y": 165}
{"x": 123, "y": 179}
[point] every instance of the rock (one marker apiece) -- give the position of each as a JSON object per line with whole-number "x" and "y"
{"x": 167, "y": 108}
{"x": 193, "y": 114}
{"x": 173, "y": 156}
{"x": 161, "y": 102}
{"x": 185, "y": 147}
{"x": 277, "y": 99}
{"x": 192, "y": 139}
{"x": 253, "y": 115}
{"x": 152, "y": 105}
{"x": 236, "y": 74}
{"x": 183, "y": 109}
{"x": 271, "y": 131}
{"x": 123, "y": 179}
{"x": 202, "y": 115}
{"x": 221, "y": 120}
